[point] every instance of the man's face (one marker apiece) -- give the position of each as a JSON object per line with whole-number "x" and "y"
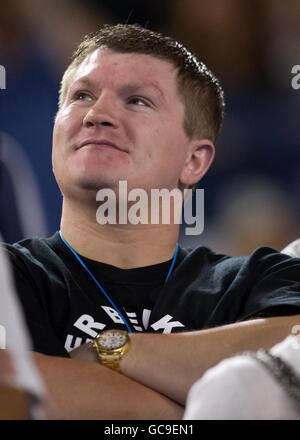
{"x": 122, "y": 120}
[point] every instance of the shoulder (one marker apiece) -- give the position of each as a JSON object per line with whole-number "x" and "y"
{"x": 34, "y": 252}
{"x": 206, "y": 259}
{"x": 261, "y": 259}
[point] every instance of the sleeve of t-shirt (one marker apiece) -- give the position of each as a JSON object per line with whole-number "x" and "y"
{"x": 275, "y": 288}
{"x": 44, "y": 339}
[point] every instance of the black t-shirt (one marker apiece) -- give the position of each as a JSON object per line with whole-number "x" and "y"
{"x": 65, "y": 308}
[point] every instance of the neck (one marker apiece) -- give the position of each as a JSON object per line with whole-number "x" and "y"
{"x": 124, "y": 246}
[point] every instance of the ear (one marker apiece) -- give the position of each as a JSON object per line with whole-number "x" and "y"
{"x": 200, "y": 156}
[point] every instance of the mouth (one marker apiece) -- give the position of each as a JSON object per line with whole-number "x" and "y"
{"x": 99, "y": 144}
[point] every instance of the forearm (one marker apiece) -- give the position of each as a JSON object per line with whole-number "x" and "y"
{"x": 172, "y": 363}
{"x": 85, "y": 390}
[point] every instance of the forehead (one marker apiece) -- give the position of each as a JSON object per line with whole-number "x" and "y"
{"x": 114, "y": 67}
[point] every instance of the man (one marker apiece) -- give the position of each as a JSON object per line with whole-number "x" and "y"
{"x": 138, "y": 107}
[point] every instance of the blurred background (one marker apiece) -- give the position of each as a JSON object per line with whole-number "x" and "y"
{"x": 251, "y": 191}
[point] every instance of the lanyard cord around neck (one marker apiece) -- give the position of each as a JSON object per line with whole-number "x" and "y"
{"x": 99, "y": 285}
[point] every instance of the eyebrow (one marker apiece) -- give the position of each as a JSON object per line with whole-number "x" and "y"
{"x": 126, "y": 88}
{"x": 84, "y": 80}
{"x": 136, "y": 87}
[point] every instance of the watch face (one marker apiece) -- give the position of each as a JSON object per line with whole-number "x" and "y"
{"x": 113, "y": 339}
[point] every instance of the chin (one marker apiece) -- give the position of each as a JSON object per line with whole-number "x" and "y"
{"x": 94, "y": 183}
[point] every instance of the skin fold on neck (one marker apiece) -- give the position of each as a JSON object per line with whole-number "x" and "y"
{"x": 124, "y": 246}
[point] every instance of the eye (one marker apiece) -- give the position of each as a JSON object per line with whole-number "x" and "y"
{"x": 82, "y": 96}
{"x": 137, "y": 100}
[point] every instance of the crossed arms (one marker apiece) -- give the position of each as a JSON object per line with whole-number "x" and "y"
{"x": 157, "y": 371}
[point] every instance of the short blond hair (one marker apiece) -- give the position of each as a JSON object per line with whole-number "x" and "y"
{"x": 198, "y": 87}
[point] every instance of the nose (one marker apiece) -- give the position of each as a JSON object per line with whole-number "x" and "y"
{"x": 102, "y": 113}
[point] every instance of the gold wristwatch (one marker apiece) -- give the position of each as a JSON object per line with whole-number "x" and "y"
{"x": 111, "y": 345}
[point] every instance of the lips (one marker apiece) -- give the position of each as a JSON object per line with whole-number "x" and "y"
{"x": 103, "y": 142}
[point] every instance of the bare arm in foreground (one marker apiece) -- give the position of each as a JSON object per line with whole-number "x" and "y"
{"x": 171, "y": 363}
{"x": 84, "y": 390}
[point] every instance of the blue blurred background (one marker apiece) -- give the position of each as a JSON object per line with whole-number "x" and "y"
{"x": 251, "y": 191}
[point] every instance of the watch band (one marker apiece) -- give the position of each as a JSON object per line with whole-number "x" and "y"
{"x": 110, "y": 360}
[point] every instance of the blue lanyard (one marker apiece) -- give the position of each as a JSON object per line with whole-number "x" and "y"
{"x": 99, "y": 285}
